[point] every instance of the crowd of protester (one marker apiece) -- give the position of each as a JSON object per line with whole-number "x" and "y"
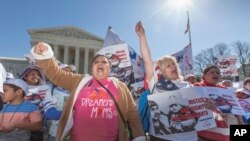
{"x": 50, "y": 101}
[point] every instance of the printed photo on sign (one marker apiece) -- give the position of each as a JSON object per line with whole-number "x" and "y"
{"x": 136, "y": 90}
{"x": 118, "y": 55}
{"x": 119, "y": 58}
{"x": 172, "y": 112}
{"x": 36, "y": 94}
{"x": 227, "y": 65}
{"x": 224, "y": 100}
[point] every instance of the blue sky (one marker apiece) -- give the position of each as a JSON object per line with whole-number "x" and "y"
{"x": 212, "y": 22}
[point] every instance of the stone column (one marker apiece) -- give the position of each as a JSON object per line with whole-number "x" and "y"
{"x": 95, "y": 51}
{"x": 55, "y": 51}
{"x": 77, "y": 59}
{"x": 86, "y": 60}
{"x": 66, "y": 55}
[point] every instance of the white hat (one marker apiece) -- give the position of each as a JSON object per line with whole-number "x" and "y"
{"x": 2, "y": 77}
{"x": 19, "y": 83}
{"x": 188, "y": 75}
{"x": 243, "y": 91}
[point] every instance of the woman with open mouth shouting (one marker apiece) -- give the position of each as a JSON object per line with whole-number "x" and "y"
{"x": 99, "y": 106}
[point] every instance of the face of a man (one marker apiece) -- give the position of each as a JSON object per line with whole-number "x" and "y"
{"x": 155, "y": 112}
{"x": 33, "y": 78}
{"x": 100, "y": 68}
{"x": 175, "y": 108}
{"x": 213, "y": 96}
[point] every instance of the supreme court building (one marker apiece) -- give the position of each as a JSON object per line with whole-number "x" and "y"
{"x": 71, "y": 45}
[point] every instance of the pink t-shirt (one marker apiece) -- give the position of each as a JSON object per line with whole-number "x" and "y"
{"x": 95, "y": 115}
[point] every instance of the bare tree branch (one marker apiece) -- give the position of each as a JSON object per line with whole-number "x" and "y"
{"x": 242, "y": 49}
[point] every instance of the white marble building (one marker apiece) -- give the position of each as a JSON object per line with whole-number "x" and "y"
{"x": 71, "y": 45}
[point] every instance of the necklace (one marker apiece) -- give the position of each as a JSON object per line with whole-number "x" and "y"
{"x": 7, "y": 105}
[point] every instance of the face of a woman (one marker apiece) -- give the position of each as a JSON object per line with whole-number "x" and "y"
{"x": 33, "y": 78}
{"x": 100, "y": 68}
{"x": 212, "y": 76}
{"x": 170, "y": 72}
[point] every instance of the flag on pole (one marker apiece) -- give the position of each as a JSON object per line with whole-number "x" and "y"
{"x": 188, "y": 26}
{"x": 185, "y": 60}
{"x": 112, "y": 38}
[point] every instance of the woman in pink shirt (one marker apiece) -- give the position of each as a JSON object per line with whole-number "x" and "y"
{"x": 91, "y": 113}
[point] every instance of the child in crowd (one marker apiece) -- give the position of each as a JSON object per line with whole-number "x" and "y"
{"x": 18, "y": 117}
{"x": 36, "y": 93}
{"x": 243, "y": 96}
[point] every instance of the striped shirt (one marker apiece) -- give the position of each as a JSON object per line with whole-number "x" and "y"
{"x": 23, "y": 112}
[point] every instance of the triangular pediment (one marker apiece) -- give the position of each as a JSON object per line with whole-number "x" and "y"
{"x": 66, "y": 31}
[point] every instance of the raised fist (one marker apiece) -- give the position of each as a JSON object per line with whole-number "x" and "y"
{"x": 139, "y": 29}
{"x": 40, "y": 47}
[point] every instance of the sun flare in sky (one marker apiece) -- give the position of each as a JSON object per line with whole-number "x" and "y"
{"x": 179, "y": 4}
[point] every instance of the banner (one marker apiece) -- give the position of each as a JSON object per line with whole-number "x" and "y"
{"x": 224, "y": 100}
{"x": 60, "y": 97}
{"x": 227, "y": 65}
{"x": 136, "y": 90}
{"x": 184, "y": 110}
{"x": 179, "y": 111}
{"x": 118, "y": 56}
{"x": 36, "y": 94}
{"x": 185, "y": 60}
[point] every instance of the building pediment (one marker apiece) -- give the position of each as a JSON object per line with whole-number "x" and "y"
{"x": 66, "y": 31}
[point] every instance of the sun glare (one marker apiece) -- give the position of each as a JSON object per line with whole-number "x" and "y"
{"x": 179, "y": 4}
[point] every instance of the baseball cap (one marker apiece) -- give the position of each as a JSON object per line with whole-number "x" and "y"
{"x": 17, "y": 82}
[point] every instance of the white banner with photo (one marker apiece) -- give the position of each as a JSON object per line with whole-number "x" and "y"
{"x": 184, "y": 110}
{"x": 119, "y": 59}
{"x": 179, "y": 111}
{"x": 136, "y": 90}
{"x": 224, "y": 100}
{"x": 36, "y": 94}
{"x": 118, "y": 55}
{"x": 227, "y": 65}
